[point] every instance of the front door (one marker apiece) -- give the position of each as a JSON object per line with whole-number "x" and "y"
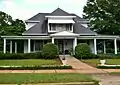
{"x": 61, "y": 46}
{"x": 65, "y": 46}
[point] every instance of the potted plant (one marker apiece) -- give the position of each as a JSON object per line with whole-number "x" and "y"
{"x": 102, "y": 61}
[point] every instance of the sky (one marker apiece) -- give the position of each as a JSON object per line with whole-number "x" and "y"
{"x": 24, "y": 9}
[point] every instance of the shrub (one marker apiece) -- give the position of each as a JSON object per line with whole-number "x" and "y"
{"x": 110, "y": 50}
{"x": 34, "y": 67}
{"x": 21, "y": 55}
{"x": 109, "y": 56}
{"x": 10, "y": 56}
{"x": 49, "y": 51}
{"x": 82, "y": 50}
{"x": 32, "y": 55}
{"x": 108, "y": 67}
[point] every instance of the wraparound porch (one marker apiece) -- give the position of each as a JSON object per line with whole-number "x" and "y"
{"x": 64, "y": 43}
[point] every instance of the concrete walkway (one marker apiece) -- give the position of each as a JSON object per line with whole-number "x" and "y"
{"x": 81, "y": 67}
{"x": 107, "y": 79}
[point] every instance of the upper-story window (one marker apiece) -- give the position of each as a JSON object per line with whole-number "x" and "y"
{"x": 60, "y": 27}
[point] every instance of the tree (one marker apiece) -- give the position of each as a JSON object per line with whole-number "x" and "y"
{"x": 19, "y": 25}
{"x": 8, "y": 26}
{"x": 104, "y": 16}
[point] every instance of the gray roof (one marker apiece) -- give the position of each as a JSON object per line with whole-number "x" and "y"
{"x": 38, "y": 17}
{"x": 41, "y": 27}
{"x": 59, "y": 12}
{"x": 79, "y": 29}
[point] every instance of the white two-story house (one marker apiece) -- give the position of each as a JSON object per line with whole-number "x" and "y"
{"x": 64, "y": 29}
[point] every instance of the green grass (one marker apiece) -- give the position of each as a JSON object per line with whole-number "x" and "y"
{"x": 12, "y": 78}
{"x": 115, "y": 73}
{"x": 26, "y": 62}
{"x": 95, "y": 62}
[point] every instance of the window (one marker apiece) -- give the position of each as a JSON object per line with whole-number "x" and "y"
{"x": 60, "y": 27}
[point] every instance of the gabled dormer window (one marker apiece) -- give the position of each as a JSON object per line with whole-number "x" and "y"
{"x": 60, "y": 27}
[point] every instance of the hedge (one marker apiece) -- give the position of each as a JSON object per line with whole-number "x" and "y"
{"x": 108, "y": 56}
{"x": 36, "y": 55}
{"x": 108, "y": 67}
{"x": 34, "y": 67}
{"x": 100, "y": 56}
{"x": 90, "y": 56}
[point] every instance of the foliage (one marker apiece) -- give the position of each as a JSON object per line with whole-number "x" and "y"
{"x": 104, "y": 16}
{"x": 82, "y": 50}
{"x": 49, "y": 51}
{"x": 110, "y": 50}
{"x": 20, "y": 56}
{"x": 90, "y": 56}
{"x": 34, "y": 67}
{"x": 108, "y": 67}
{"x": 109, "y": 56}
{"x": 9, "y": 27}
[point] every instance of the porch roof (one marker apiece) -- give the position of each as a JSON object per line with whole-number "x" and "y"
{"x": 62, "y": 35}
{"x": 99, "y": 37}
{"x": 26, "y": 37}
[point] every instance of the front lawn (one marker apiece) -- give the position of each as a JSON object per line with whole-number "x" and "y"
{"x": 115, "y": 73}
{"x": 28, "y": 62}
{"x": 12, "y": 78}
{"x": 95, "y": 62}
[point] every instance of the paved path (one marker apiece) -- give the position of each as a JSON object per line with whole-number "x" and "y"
{"x": 81, "y": 67}
{"x": 106, "y": 79}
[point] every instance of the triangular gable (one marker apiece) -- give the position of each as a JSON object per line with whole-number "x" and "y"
{"x": 64, "y": 33}
{"x": 59, "y": 12}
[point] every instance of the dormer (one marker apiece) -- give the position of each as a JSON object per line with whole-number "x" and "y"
{"x": 30, "y": 23}
{"x": 60, "y": 20}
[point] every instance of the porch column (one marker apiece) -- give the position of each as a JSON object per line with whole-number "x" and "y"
{"x": 34, "y": 46}
{"x": 4, "y": 49}
{"x": 115, "y": 45}
{"x": 95, "y": 46}
{"x": 15, "y": 47}
{"x": 104, "y": 47}
{"x": 11, "y": 46}
{"x": 74, "y": 43}
{"x": 29, "y": 46}
{"x": 25, "y": 46}
{"x": 52, "y": 40}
